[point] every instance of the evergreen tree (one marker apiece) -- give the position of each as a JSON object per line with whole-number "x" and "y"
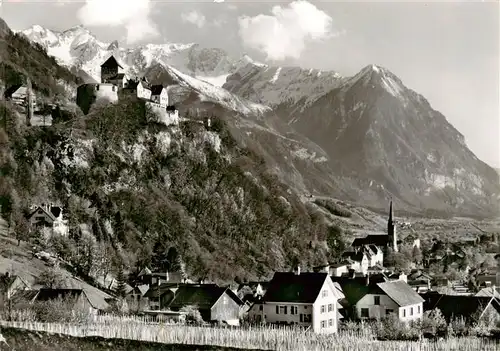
{"x": 121, "y": 283}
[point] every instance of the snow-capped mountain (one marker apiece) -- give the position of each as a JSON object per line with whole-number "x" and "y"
{"x": 277, "y": 85}
{"x": 363, "y": 138}
{"x": 78, "y": 47}
{"x": 382, "y": 136}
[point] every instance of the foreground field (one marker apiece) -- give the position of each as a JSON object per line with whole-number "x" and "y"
{"x": 134, "y": 336}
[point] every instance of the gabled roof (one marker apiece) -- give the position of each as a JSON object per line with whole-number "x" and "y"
{"x": 145, "y": 271}
{"x": 162, "y": 289}
{"x": 204, "y": 296}
{"x": 401, "y": 293}
{"x": 49, "y": 213}
{"x": 52, "y": 294}
{"x": 157, "y": 89}
{"x": 6, "y": 281}
{"x": 354, "y": 256}
{"x": 25, "y": 296}
{"x": 11, "y": 90}
{"x": 465, "y": 306}
{"x": 111, "y": 62}
{"x": 356, "y": 288}
{"x": 118, "y": 76}
{"x": 253, "y": 285}
{"x": 490, "y": 291}
{"x": 372, "y": 239}
{"x": 290, "y": 287}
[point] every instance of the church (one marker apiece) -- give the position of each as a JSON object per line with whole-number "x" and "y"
{"x": 383, "y": 241}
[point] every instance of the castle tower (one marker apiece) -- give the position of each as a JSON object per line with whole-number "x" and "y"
{"x": 391, "y": 230}
{"x": 109, "y": 69}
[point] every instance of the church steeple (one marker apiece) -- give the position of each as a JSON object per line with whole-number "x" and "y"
{"x": 391, "y": 230}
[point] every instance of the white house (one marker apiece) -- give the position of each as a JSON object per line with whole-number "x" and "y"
{"x": 358, "y": 261}
{"x": 375, "y": 255}
{"x": 49, "y": 216}
{"x": 143, "y": 90}
{"x": 18, "y": 94}
{"x": 376, "y": 300}
{"x": 159, "y": 95}
{"x": 304, "y": 299}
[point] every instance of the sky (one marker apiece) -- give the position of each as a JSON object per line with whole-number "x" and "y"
{"x": 447, "y": 51}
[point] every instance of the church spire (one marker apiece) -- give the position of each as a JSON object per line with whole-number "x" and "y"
{"x": 391, "y": 230}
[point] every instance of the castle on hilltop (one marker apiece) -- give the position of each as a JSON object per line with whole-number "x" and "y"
{"x": 115, "y": 84}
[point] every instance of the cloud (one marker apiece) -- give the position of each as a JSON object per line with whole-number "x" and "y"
{"x": 134, "y": 15}
{"x": 195, "y": 18}
{"x": 286, "y": 32}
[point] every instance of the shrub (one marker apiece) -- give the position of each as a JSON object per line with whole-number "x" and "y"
{"x": 60, "y": 310}
{"x": 193, "y": 316}
{"x": 433, "y": 323}
{"x": 333, "y": 208}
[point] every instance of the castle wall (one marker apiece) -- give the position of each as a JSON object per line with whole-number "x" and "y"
{"x": 88, "y": 94}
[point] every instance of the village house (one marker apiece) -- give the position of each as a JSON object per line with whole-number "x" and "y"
{"x": 358, "y": 261}
{"x": 303, "y": 299}
{"x": 78, "y": 299}
{"x": 334, "y": 269}
{"x": 136, "y": 298}
{"x": 11, "y": 284}
{"x": 147, "y": 277}
{"x": 159, "y": 95}
{"x": 18, "y": 94}
{"x": 215, "y": 303}
{"x": 159, "y": 296}
{"x": 368, "y": 299}
{"x": 48, "y": 215}
{"x": 419, "y": 281}
{"x": 470, "y": 308}
{"x": 252, "y": 291}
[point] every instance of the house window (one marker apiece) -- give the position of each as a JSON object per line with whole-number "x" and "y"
{"x": 330, "y": 307}
{"x": 323, "y": 308}
{"x": 261, "y": 307}
{"x": 376, "y": 300}
{"x": 283, "y": 310}
{"x": 323, "y": 324}
{"x": 113, "y": 88}
{"x": 404, "y": 312}
{"x": 293, "y": 309}
{"x": 277, "y": 309}
{"x": 330, "y": 322}
{"x": 324, "y": 293}
{"x": 365, "y": 313}
{"x": 305, "y": 318}
{"x": 388, "y": 311}
{"x": 418, "y": 309}
{"x": 411, "y": 311}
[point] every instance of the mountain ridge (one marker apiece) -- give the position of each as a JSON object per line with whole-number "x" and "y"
{"x": 350, "y": 121}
